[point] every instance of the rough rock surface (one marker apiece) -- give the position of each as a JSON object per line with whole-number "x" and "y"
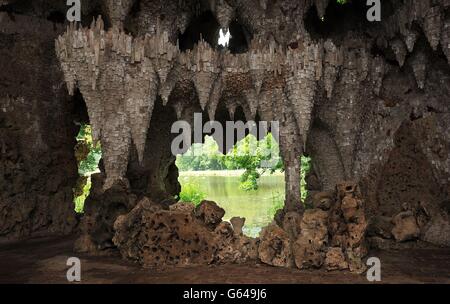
{"x": 405, "y": 227}
{"x": 310, "y": 247}
{"x": 335, "y": 259}
{"x": 37, "y": 135}
{"x": 275, "y": 247}
{"x": 179, "y": 236}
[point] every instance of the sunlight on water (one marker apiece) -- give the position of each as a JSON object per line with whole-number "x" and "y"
{"x": 258, "y": 207}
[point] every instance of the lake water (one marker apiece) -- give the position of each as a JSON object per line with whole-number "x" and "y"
{"x": 258, "y": 207}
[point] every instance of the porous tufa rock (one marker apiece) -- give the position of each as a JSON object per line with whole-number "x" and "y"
{"x": 323, "y": 200}
{"x": 310, "y": 247}
{"x": 291, "y": 224}
{"x": 335, "y": 259}
{"x": 209, "y": 213}
{"x": 405, "y": 227}
{"x": 275, "y": 247}
{"x": 154, "y": 237}
{"x": 182, "y": 207}
{"x": 238, "y": 223}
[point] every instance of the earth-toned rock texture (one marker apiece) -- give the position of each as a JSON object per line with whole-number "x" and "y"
{"x": 367, "y": 101}
{"x": 153, "y": 236}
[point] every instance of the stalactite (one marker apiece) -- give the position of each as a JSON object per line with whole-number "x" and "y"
{"x": 256, "y": 65}
{"x": 378, "y": 70}
{"x": 321, "y": 6}
{"x": 205, "y": 67}
{"x": 332, "y": 62}
{"x": 166, "y": 89}
{"x": 445, "y": 39}
{"x": 301, "y": 85}
{"x": 432, "y": 26}
{"x": 231, "y": 107}
{"x": 265, "y": 106}
{"x": 347, "y": 111}
{"x": 419, "y": 64}
{"x": 251, "y": 98}
{"x": 118, "y": 11}
{"x": 290, "y": 150}
{"x": 141, "y": 91}
{"x": 399, "y": 50}
{"x": 215, "y": 96}
{"x": 179, "y": 107}
{"x": 410, "y": 37}
{"x": 115, "y": 147}
{"x": 131, "y": 71}
{"x": 224, "y": 13}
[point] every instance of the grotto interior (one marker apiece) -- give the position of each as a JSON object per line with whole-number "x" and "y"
{"x": 368, "y": 101}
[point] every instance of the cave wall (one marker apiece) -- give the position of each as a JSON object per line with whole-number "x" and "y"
{"x": 37, "y": 134}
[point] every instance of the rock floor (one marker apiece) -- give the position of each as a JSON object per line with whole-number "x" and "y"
{"x": 44, "y": 261}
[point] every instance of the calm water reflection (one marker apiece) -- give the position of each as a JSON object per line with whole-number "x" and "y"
{"x": 258, "y": 207}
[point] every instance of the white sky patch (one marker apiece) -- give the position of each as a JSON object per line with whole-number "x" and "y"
{"x": 224, "y": 38}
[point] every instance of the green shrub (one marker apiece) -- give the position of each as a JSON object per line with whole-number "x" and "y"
{"x": 191, "y": 193}
{"x": 80, "y": 199}
{"x": 88, "y": 155}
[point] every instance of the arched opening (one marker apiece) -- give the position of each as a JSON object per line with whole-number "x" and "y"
{"x": 341, "y": 17}
{"x": 87, "y": 153}
{"x": 237, "y": 181}
{"x": 240, "y": 38}
{"x": 203, "y": 26}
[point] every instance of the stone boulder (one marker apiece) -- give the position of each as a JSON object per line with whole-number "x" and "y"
{"x": 310, "y": 247}
{"x": 335, "y": 259}
{"x": 180, "y": 236}
{"x": 437, "y": 232}
{"x": 291, "y": 224}
{"x": 323, "y": 200}
{"x": 405, "y": 227}
{"x": 238, "y": 224}
{"x": 380, "y": 226}
{"x": 182, "y": 207}
{"x": 275, "y": 247}
{"x": 209, "y": 213}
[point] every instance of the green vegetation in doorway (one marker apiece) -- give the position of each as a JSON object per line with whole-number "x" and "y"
{"x": 88, "y": 155}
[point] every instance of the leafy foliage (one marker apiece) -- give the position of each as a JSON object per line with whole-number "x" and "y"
{"x": 88, "y": 155}
{"x": 80, "y": 199}
{"x": 277, "y": 203}
{"x": 249, "y": 154}
{"x": 191, "y": 193}
{"x": 87, "y": 152}
{"x": 306, "y": 166}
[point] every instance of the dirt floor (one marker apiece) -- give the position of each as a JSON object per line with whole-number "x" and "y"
{"x": 44, "y": 261}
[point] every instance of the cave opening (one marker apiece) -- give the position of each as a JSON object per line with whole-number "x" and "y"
{"x": 236, "y": 38}
{"x": 204, "y": 26}
{"x": 244, "y": 176}
{"x": 240, "y": 38}
{"x": 87, "y": 152}
{"x": 236, "y": 180}
{"x": 339, "y": 18}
